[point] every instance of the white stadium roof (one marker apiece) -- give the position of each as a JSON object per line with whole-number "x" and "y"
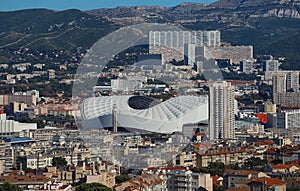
{"x": 138, "y": 112}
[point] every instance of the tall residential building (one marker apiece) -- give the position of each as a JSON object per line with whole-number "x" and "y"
{"x": 271, "y": 65}
{"x": 115, "y": 118}
{"x": 246, "y": 66}
{"x": 221, "y": 110}
{"x": 193, "y": 56}
{"x": 179, "y": 38}
{"x": 288, "y": 119}
{"x": 292, "y": 81}
{"x": 171, "y": 43}
{"x": 189, "y": 54}
{"x": 233, "y": 53}
{"x": 51, "y": 74}
{"x": 279, "y": 85}
{"x": 286, "y": 88}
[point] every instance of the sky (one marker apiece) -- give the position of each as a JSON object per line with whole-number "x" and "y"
{"x": 10, "y": 5}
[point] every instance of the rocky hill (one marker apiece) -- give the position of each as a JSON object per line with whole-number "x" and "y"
{"x": 272, "y": 26}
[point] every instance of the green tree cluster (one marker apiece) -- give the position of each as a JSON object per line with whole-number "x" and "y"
{"x": 40, "y": 123}
{"x": 215, "y": 168}
{"x": 122, "y": 178}
{"x": 6, "y": 186}
{"x": 93, "y": 187}
{"x": 255, "y": 163}
{"x": 59, "y": 162}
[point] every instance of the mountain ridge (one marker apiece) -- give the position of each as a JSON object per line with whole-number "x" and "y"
{"x": 262, "y": 23}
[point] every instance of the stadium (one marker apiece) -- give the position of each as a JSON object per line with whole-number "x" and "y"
{"x": 144, "y": 113}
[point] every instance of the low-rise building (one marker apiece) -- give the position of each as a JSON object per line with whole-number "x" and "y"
{"x": 56, "y": 186}
{"x": 232, "y": 177}
{"x": 285, "y": 168}
{"x": 264, "y": 183}
{"x": 11, "y": 128}
{"x": 147, "y": 182}
{"x": 187, "y": 180}
{"x": 28, "y": 182}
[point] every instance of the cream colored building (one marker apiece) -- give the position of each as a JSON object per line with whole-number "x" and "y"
{"x": 221, "y": 110}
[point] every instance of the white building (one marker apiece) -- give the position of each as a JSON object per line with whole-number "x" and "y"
{"x": 286, "y": 88}
{"x": 125, "y": 85}
{"x": 10, "y": 128}
{"x": 221, "y": 110}
{"x": 188, "y": 181}
{"x": 36, "y": 93}
{"x": 193, "y": 57}
{"x": 143, "y": 113}
{"x": 271, "y": 65}
{"x": 246, "y": 66}
{"x": 292, "y": 81}
{"x": 171, "y": 43}
{"x": 120, "y": 85}
{"x": 288, "y": 119}
{"x": 179, "y": 38}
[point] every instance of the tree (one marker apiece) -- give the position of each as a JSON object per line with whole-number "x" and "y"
{"x": 293, "y": 189}
{"x": 122, "y": 178}
{"x": 38, "y": 121}
{"x": 255, "y": 163}
{"x": 218, "y": 188}
{"x": 6, "y": 186}
{"x": 29, "y": 170}
{"x": 93, "y": 187}
{"x": 59, "y": 162}
{"x": 215, "y": 168}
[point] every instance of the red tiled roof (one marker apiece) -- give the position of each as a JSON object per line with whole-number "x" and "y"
{"x": 71, "y": 168}
{"x": 241, "y": 188}
{"x": 215, "y": 180}
{"x": 88, "y": 168}
{"x": 265, "y": 142}
{"x": 174, "y": 168}
{"x": 268, "y": 181}
{"x": 151, "y": 168}
{"x": 198, "y": 146}
{"x": 283, "y": 166}
{"x": 200, "y": 134}
{"x": 250, "y": 147}
{"x": 17, "y": 172}
{"x": 241, "y": 172}
{"x": 25, "y": 178}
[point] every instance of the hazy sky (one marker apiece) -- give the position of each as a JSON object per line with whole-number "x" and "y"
{"x": 8, "y": 5}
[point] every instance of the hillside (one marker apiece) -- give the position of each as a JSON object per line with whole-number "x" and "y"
{"x": 272, "y": 26}
{"x": 36, "y": 28}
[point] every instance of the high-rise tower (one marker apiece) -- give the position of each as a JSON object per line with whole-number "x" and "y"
{"x": 221, "y": 110}
{"x": 115, "y": 119}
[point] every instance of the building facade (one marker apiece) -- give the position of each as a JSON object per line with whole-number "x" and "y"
{"x": 179, "y": 38}
{"x": 188, "y": 181}
{"x": 221, "y": 110}
{"x": 11, "y": 128}
{"x": 286, "y": 88}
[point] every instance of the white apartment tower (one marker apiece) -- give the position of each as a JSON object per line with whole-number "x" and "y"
{"x": 292, "y": 81}
{"x": 221, "y": 110}
{"x": 179, "y": 38}
{"x": 286, "y": 88}
{"x": 279, "y": 85}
